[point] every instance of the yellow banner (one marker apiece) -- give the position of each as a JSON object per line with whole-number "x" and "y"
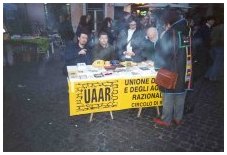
{"x": 110, "y": 95}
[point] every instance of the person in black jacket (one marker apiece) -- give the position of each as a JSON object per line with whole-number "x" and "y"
{"x": 65, "y": 29}
{"x": 202, "y": 41}
{"x": 172, "y": 57}
{"x": 107, "y": 27}
{"x": 85, "y": 25}
{"x": 78, "y": 52}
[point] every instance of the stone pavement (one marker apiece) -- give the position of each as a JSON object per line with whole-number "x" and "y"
{"x": 36, "y": 118}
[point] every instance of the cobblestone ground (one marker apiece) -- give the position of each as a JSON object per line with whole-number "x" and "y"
{"x": 36, "y": 118}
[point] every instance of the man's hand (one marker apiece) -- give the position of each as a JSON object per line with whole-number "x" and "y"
{"x": 83, "y": 52}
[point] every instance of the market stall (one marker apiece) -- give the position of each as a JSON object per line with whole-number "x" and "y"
{"x": 28, "y": 47}
{"x": 96, "y": 89}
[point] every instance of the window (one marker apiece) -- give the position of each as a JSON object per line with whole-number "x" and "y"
{"x": 96, "y": 10}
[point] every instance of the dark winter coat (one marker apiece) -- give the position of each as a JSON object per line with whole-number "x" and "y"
{"x": 173, "y": 60}
{"x": 72, "y": 57}
{"x": 135, "y": 43}
{"x": 149, "y": 49}
{"x": 66, "y": 31}
{"x": 204, "y": 35}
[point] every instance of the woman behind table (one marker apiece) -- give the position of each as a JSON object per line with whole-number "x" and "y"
{"x": 175, "y": 61}
{"x": 129, "y": 43}
{"x": 107, "y": 28}
{"x": 85, "y": 25}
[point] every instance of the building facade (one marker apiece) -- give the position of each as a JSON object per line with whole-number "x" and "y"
{"x": 28, "y": 17}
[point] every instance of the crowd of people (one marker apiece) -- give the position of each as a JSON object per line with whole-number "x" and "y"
{"x": 144, "y": 38}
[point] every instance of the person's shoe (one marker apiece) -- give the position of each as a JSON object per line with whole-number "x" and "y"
{"x": 177, "y": 122}
{"x": 160, "y": 122}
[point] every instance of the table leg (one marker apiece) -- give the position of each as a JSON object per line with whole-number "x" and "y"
{"x": 52, "y": 47}
{"x": 139, "y": 112}
{"x": 158, "y": 111}
{"x": 48, "y": 54}
{"x": 91, "y": 116}
{"x": 111, "y": 114}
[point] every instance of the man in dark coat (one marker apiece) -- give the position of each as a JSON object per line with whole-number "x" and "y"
{"x": 150, "y": 46}
{"x": 202, "y": 41}
{"x": 78, "y": 52}
{"x": 173, "y": 58}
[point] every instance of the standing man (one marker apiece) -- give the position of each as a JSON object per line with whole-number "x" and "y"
{"x": 65, "y": 30}
{"x": 203, "y": 40}
{"x": 217, "y": 52}
{"x": 103, "y": 50}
